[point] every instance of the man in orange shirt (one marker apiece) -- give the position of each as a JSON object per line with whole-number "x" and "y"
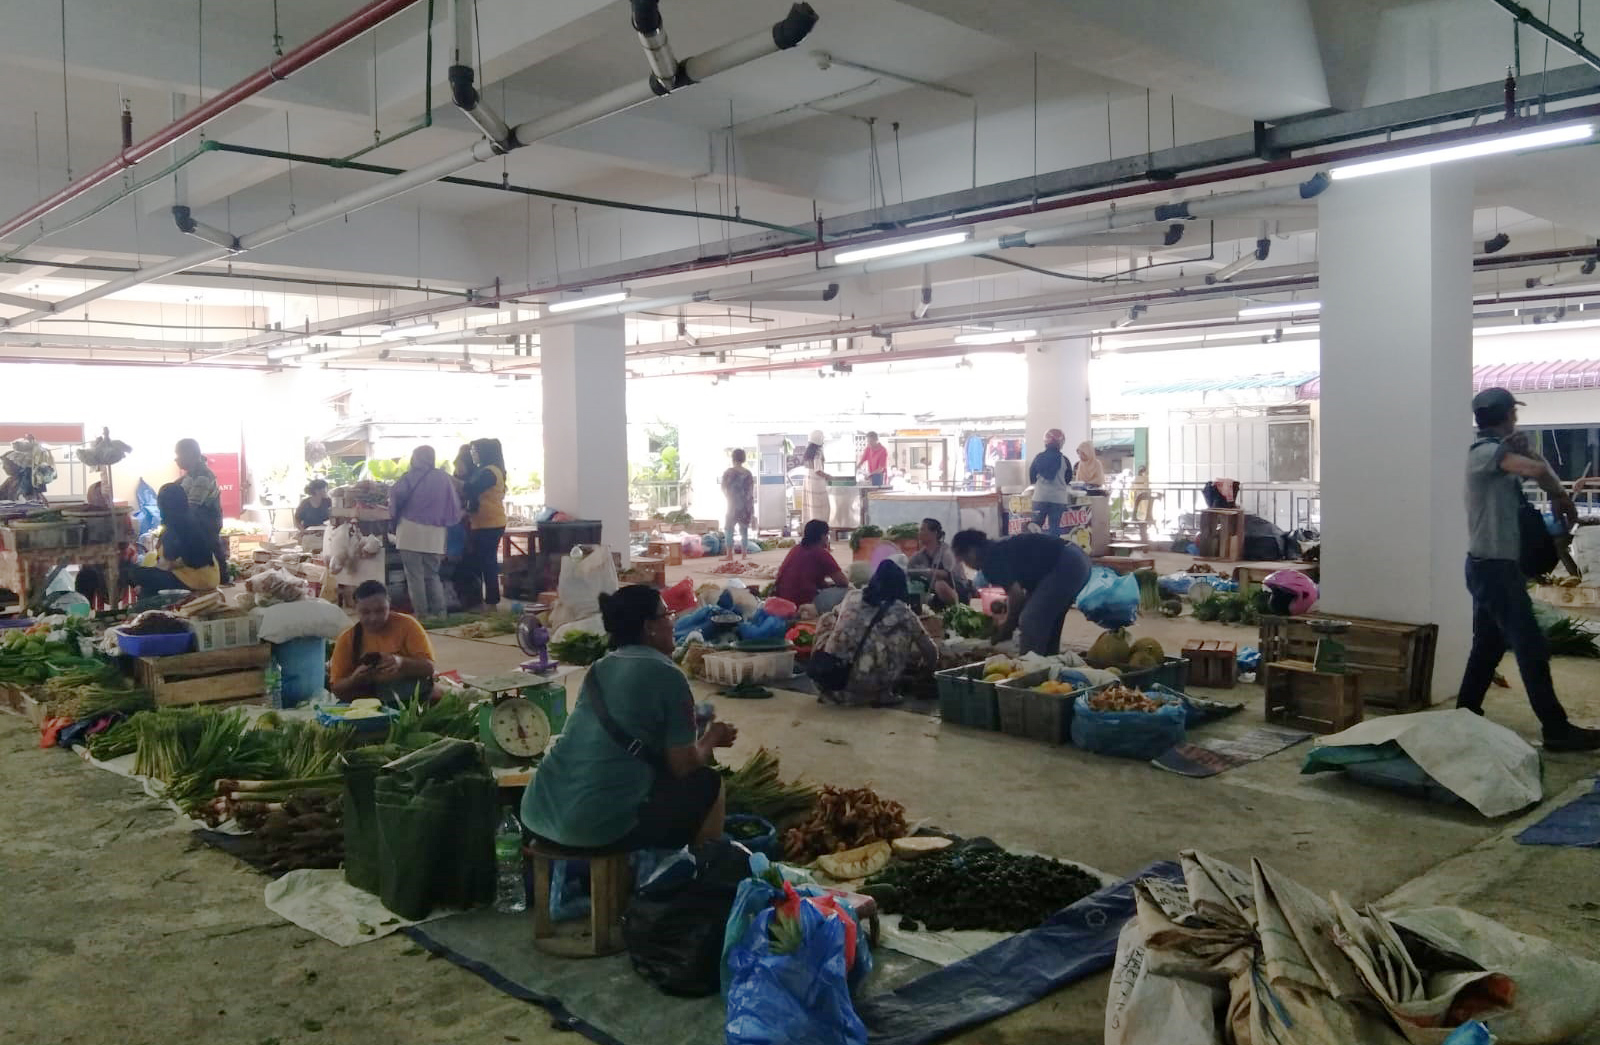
{"x": 876, "y": 460}
{"x": 385, "y": 655}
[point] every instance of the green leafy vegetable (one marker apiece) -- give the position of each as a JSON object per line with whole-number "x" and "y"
{"x": 862, "y": 532}
{"x": 968, "y": 623}
{"x": 579, "y": 647}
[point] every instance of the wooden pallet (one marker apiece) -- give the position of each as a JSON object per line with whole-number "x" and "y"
{"x": 1394, "y": 660}
{"x": 1301, "y": 697}
{"x": 231, "y": 675}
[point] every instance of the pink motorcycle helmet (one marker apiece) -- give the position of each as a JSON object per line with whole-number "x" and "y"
{"x": 1291, "y": 592}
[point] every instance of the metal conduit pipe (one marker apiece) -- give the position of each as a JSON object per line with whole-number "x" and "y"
{"x": 717, "y": 60}
{"x": 462, "y": 91}
{"x": 324, "y": 43}
{"x": 664, "y": 67}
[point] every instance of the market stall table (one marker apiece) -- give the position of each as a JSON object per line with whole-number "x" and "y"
{"x": 955, "y": 511}
{"x": 26, "y": 572}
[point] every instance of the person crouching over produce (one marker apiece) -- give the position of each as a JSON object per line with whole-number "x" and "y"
{"x": 1042, "y": 576}
{"x": 627, "y": 771}
{"x": 385, "y": 655}
{"x": 186, "y": 555}
{"x": 876, "y": 633}
{"x": 940, "y": 566}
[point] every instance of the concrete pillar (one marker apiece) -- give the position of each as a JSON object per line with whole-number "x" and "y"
{"x": 1396, "y": 257}
{"x": 1058, "y": 392}
{"x": 586, "y": 424}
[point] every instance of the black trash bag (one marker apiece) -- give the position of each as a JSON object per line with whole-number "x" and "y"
{"x": 1265, "y": 541}
{"x": 673, "y": 931}
{"x": 436, "y": 814}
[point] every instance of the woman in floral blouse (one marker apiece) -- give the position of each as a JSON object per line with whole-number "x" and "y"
{"x": 875, "y": 630}
{"x": 739, "y": 486}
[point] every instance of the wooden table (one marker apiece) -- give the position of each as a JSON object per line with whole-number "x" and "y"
{"x": 25, "y": 572}
{"x": 519, "y": 540}
{"x": 1123, "y": 563}
{"x": 1127, "y": 548}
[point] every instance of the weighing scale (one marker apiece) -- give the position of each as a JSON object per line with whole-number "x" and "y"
{"x": 1330, "y": 652}
{"x": 522, "y": 714}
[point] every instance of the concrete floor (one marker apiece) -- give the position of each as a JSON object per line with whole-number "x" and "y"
{"x": 116, "y": 930}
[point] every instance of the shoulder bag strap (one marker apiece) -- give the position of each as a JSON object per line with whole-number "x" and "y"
{"x": 865, "y": 635}
{"x": 357, "y": 641}
{"x": 632, "y": 745}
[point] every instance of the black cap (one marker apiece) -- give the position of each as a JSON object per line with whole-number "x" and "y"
{"x": 1491, "y": 406}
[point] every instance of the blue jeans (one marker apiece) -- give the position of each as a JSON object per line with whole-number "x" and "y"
{"x": 1047, "y": 515}
{"x": 1039, "y": 627}
{"x": 1502, "y": 618}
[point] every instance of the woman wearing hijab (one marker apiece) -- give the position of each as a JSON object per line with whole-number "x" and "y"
{"x": 484, "y": 494}
{"x": 876, "y": 632}
{"x": 1090, "y": 471}
{"x": 1050, "y": 473}
{"x": 424, "y": 504}
{"x": 186, "y": 554}
{"x": 814, "y": 463}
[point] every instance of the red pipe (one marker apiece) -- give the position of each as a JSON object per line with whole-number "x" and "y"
{"x": 280, "y": 68}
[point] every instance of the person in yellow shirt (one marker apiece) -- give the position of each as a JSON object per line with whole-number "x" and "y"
{"x": 385, "y": 655}
{"x": 484, "y": 492}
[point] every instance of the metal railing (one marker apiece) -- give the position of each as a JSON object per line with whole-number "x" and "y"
{"x": 652, "y": 497}
{"x": 1290, "y": 506}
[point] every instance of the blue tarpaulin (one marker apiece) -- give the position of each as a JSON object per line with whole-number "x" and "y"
{"x": 1575, "y": 824}
{"x": 1016, "y": 972}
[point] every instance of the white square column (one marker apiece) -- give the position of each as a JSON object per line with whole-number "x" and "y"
{"x": 1396, "y": 290}
{"x": 586, "y": 424}
{"x": 1058, "y": 393}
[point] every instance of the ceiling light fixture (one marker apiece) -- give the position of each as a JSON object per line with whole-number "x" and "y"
{"x": 287, "y": 351}
{"x": 414, "y": 330}
{"x": 1471, "y": 150}
{"x": 887, "y": 250}
{"x": 598, "y": 299}
{"x": 995, "y": 337}
{"x": 1284, "y": 309}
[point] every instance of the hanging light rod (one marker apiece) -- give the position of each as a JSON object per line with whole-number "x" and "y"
{"x": 905, "y": 246}
{"x": 995, "y": 337}
{"x": 1575, "y": 132}
{"x": 576, "y": 303}
{"x": 1284, "y": 309}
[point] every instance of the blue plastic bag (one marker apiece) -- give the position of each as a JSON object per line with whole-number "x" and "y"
{"x": 148, "y": 515}
{"x": 711, "y": 543}
{"x": 1474, "y": 1033}
{"x": 1110, "y": 600}
{"x": 763, "y": 626}
{"x": 792, "y": 999}
{"x": 694, "y": 620}
{"x": 1128, "y": 734}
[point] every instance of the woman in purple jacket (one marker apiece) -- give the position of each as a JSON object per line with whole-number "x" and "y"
{"x": 424, "y": 503}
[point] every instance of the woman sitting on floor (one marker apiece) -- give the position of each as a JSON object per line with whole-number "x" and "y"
{"x": 627, "y": 772}
{"x": 878, "y": 634}
{"x": 186, "y": 555}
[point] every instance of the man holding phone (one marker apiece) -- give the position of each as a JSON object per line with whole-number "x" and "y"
{"x": 385, "y": 655}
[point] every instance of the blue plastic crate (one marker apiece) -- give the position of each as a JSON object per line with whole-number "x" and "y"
{"x": 154, "y": 645}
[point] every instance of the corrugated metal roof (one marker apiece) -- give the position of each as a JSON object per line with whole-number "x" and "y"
{"x": 1557, "y": 376}
{"x": 1222, "y": 384}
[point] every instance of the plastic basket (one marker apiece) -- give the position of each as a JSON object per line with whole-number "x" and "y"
{"x": 733, "y": 669}
{"x": 965, "y": 699}
{"x": 226, "y": 633}
{"x": 1025, "y": 712}
{"x": 154, "y": 645}
{"x": 370, "y": 724}
{"x": 1172, "y": 672}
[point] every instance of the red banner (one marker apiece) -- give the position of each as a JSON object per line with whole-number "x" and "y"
{"x": 226, "y": 467}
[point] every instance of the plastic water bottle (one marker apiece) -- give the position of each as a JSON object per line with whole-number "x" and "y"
{"x": 510, "y": 896}
{"x": 274, "y": 681}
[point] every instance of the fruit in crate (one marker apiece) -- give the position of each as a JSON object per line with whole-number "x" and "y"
{"x": 1059, "y": 689}
{"x": 1002, "y": 669}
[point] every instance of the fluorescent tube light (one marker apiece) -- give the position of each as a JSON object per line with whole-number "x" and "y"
{"x": 995, "y": 337}
{"x": 1535, "y": 328}
{"x": 1488, "y": 147}
{"x": 885, "y": 250}
{"x": 287, "y": 351}
{"x": 415, "y": 330}
{"x": 598, "y": 299}
{"x": 1287, "y": 308}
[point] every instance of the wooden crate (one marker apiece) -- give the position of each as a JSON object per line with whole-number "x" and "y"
{"x": 671, "y": 551}
{"x": 205, "y": 678}
{"x": 1212, "y": 663}
{"x": 1394, "y": 660}
{"x": 1221, "y": 534}
{"x": 1301, "y": 697}
{"x": 645, "y": 569}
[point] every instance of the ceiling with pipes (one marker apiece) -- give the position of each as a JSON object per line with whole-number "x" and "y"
{"x": 314, "y": 217}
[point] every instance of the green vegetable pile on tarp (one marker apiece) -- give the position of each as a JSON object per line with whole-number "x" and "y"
{"x": 579, "y": 647}
{"x": 968, "y": 623}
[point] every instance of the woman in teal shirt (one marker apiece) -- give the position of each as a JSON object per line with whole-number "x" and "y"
{"x": 627, "y": 771}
